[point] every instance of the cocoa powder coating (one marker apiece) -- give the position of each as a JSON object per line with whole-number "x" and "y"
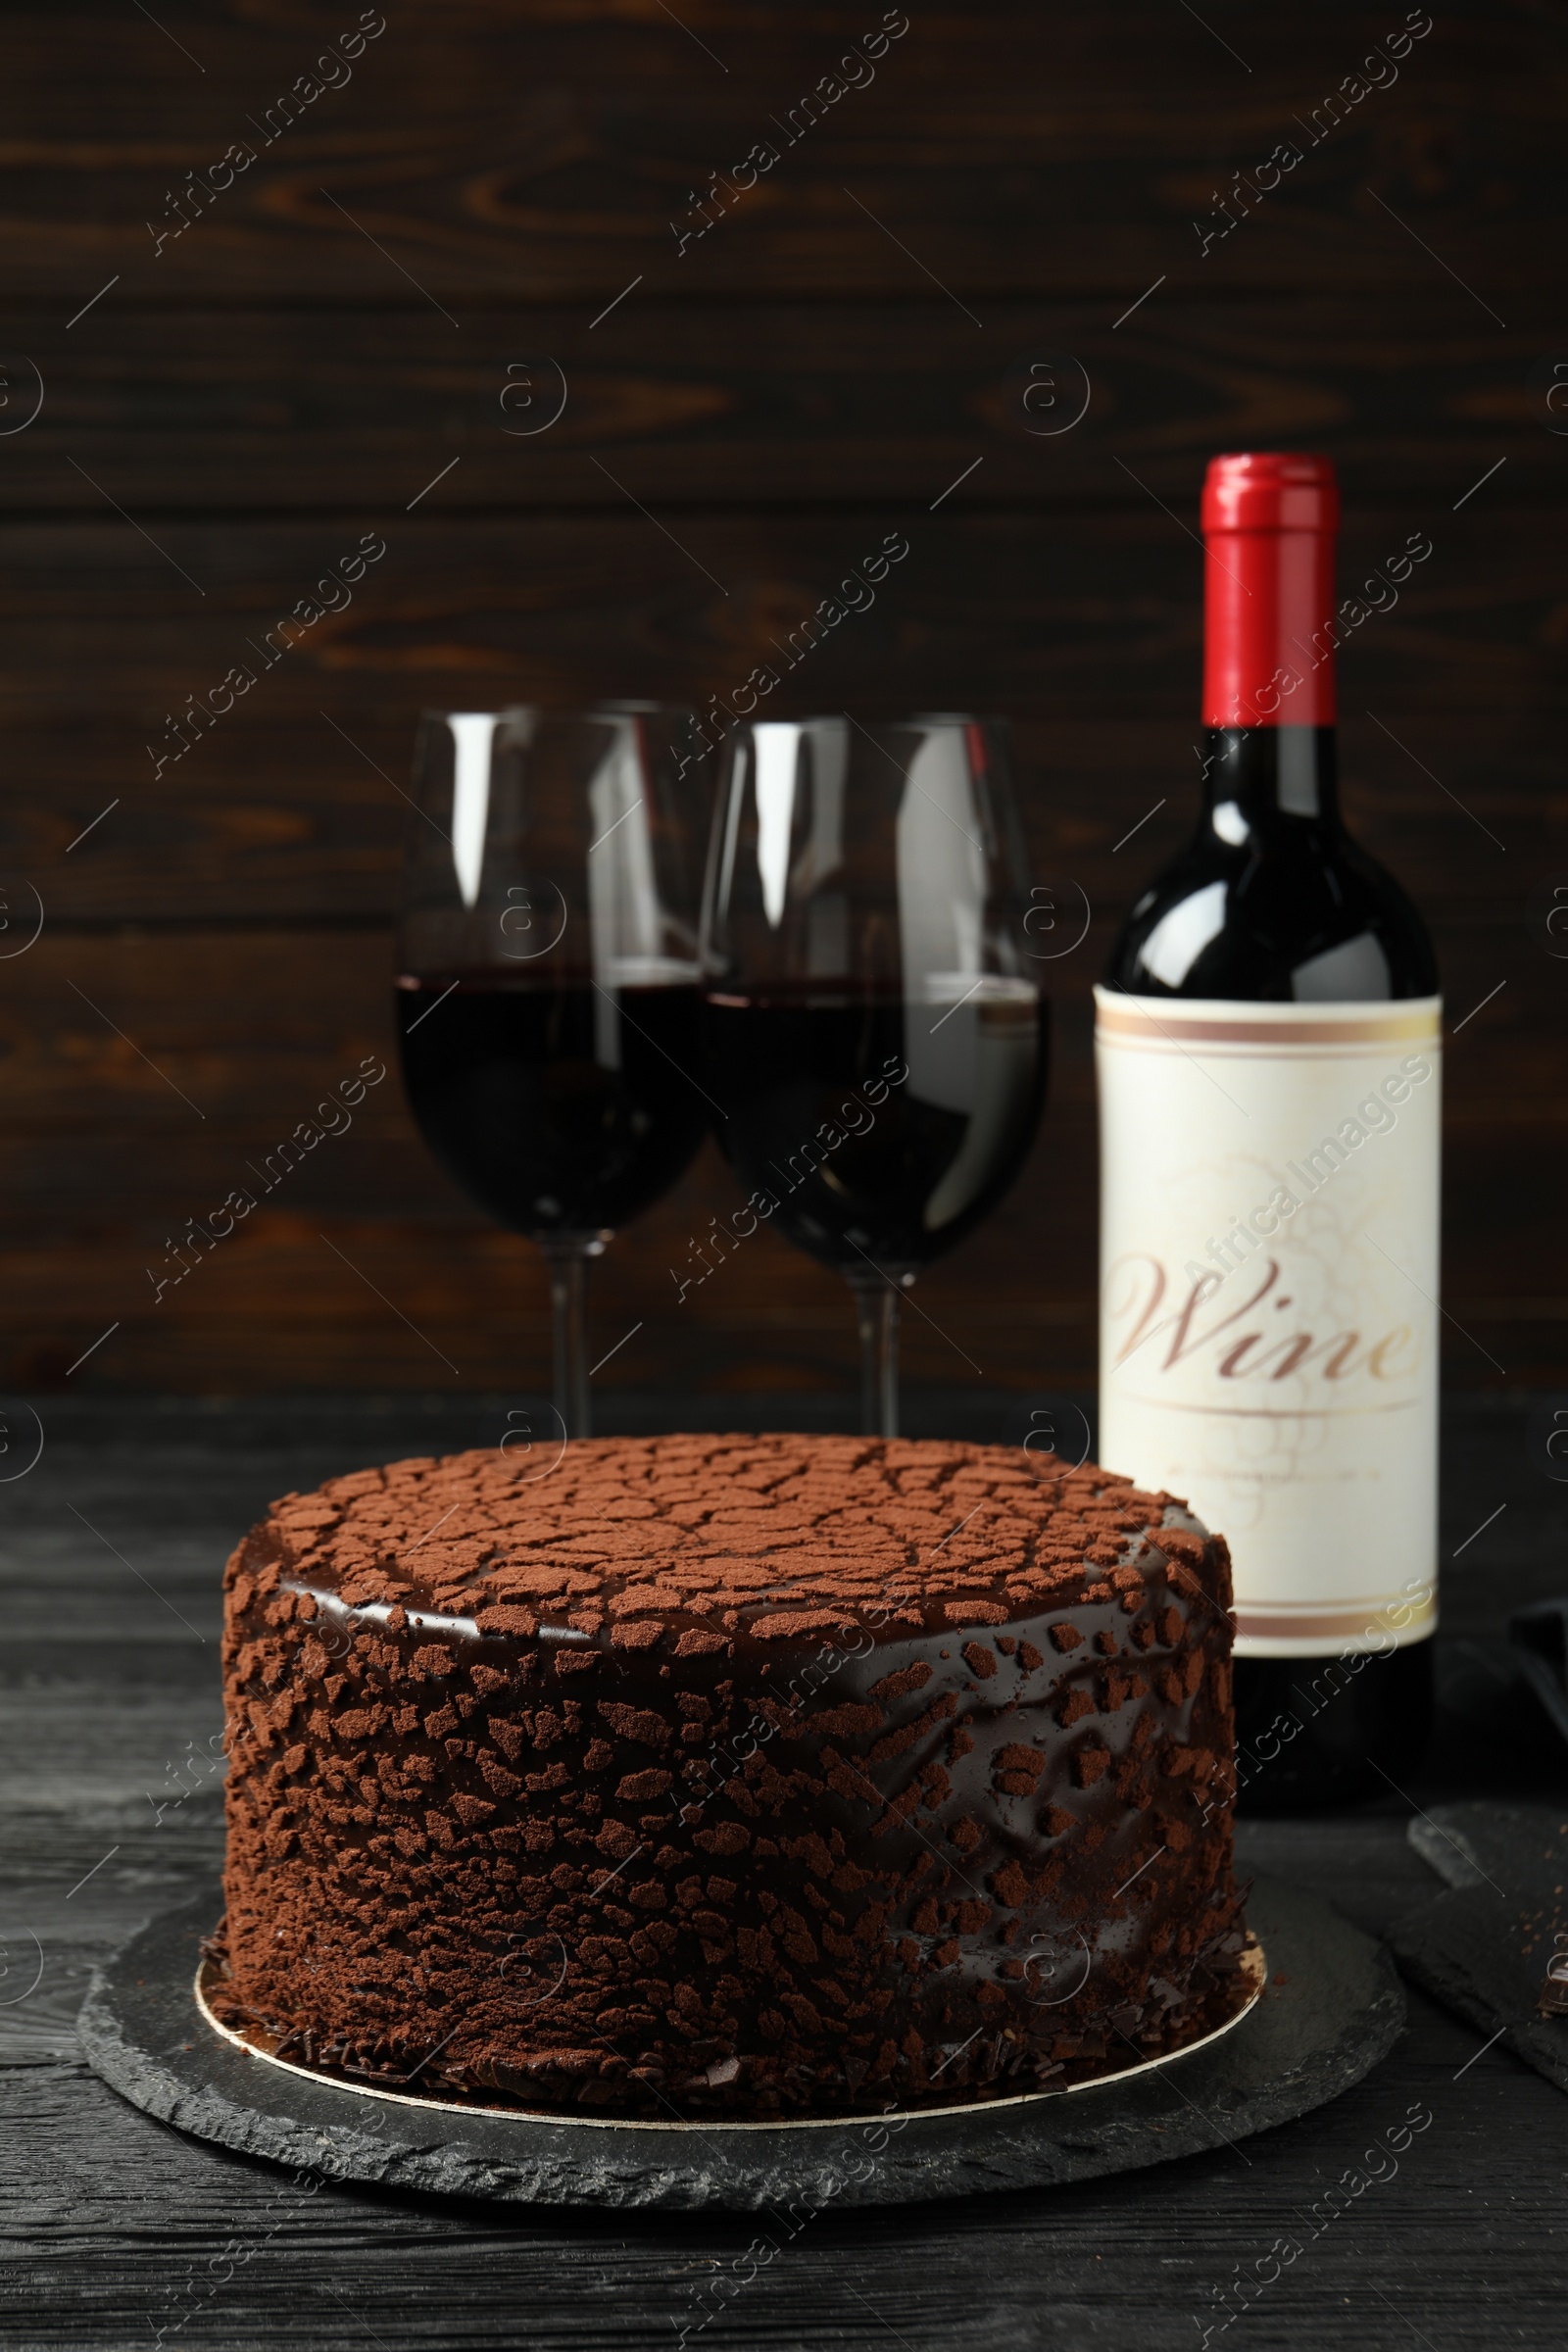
{"x": 734, "y": 1776}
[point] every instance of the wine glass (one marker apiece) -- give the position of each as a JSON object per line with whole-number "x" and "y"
{"x": 547, "y": 977}
{"x": 871, "y": 1029}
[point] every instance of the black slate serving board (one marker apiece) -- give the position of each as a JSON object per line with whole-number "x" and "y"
{"x": 1331, "y": 2008}
{"x": 1483, "y": 1950}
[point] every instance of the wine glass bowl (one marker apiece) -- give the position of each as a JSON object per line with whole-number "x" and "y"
{"x": 547, "y": 977}
{"x": 872, "y": 1032}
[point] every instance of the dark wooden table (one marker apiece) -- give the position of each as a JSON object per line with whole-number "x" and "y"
{"x": 116, "y": 2227}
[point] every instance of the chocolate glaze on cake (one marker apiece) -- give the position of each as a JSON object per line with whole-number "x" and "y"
{"x": 736, "y": 1777}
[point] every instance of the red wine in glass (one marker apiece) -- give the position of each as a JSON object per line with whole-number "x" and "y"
{"x": 547, "y": 978}
{"x": 561, "y": 1107}
{"x": 911, "y": 1177}
{"x": 872, "y": 1029}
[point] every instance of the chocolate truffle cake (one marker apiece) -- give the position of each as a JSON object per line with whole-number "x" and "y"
{"x": 747, "y": 1776}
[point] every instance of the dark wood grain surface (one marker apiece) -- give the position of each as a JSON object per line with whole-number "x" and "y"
{"x": 114, "y": 2227}
{"x": 324, "y": 351}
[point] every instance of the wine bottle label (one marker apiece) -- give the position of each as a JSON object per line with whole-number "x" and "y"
{"x": 1268, "y": 1328}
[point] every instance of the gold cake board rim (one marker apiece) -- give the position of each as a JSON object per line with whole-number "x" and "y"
{"x": 1253, "y": 1966}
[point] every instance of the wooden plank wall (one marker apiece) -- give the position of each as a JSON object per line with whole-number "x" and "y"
{"x": 493, "y": 183}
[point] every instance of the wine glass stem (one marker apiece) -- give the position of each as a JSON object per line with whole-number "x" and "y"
{"x": 567, "y": 1261}
{"x": 876, "y": 1309}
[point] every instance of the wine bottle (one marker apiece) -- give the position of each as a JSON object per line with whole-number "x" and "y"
{"x": 1268, "y": 1056}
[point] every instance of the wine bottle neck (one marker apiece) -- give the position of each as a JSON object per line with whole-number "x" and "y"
{"x": 1270, "y": 768}
{"x": 1268, "y": 782}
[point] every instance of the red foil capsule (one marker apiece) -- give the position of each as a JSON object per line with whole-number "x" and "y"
{"x": 1269, "y": 524}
